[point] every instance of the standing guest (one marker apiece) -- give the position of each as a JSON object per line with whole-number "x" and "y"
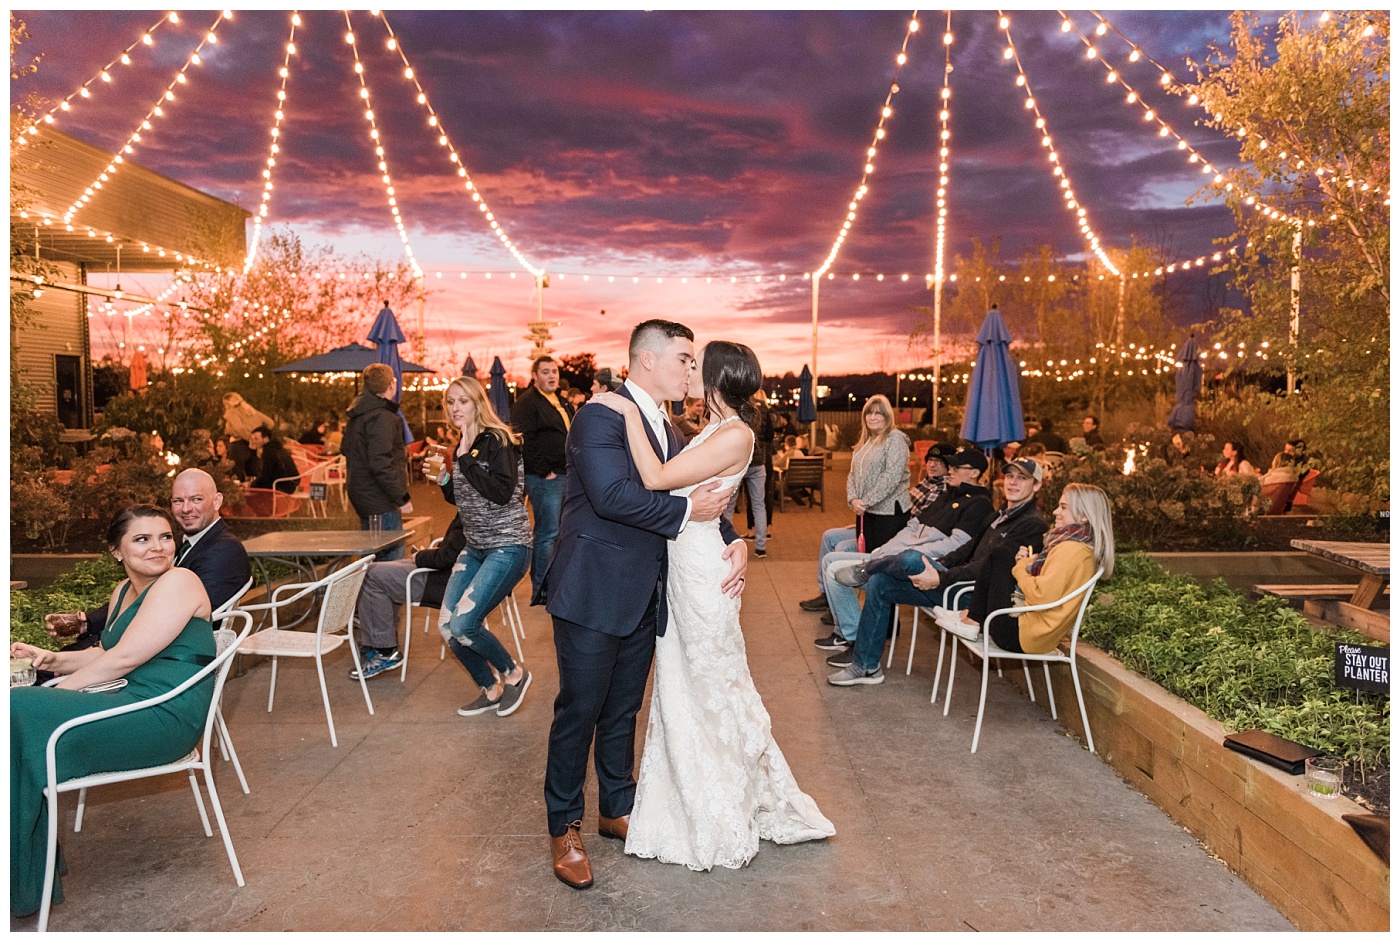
{"x": 605, "y": 380}
{"x": 693, "y": 419}
{"x": 1081, "y": 543}
{"x": 1047, "y": 436}
{"x": 542, "y": 419}
{"x": 487, "y": 485}
{"x": 755, "y": 480}
{"x": 991, "y": 560}
{"x": 276, "y": 467}
{"x": 240, "y": 419}
{"x": 159, "y": 637}
{"x": 1092, "y": 438}
{"x": 877, "y": 489}
{"x": 376, "y": 461}
{"x": 575, "y": 397}
{"x": 1234, "y": 461}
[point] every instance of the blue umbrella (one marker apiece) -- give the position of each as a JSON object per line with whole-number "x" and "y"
{"x": 469, "y": 367}
{"x": 386, "y": 336}
{"x": 1188, "y": 383}
{"x": 806, "y": 398}
{"x": 992, "y": 416}
{"x": 499, "y": 394}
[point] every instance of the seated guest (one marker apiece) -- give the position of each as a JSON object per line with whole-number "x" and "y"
{"x": 315, "y": 435}
{"x": 789, "y": 450}
{"x": 1092, "y": 438}
{"x": 209, "y": 550}
{"x": 605, "y": 380}
{"x": 932, "y": 533}
{"x": 383, "y": 591}
{"x": 159, "y": 637}
{"x": 990, "y": 560}
{"x": 1081, "y": 543}
{"x": 1180, "y": 452}
{"x": 333, "y": 437}
{"x": 276, "y": 467}
{"x": 843, "y": 539}
{"x": 1235, "y": 461}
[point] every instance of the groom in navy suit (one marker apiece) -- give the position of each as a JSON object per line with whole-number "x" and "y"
{"x": 606, "y": 590}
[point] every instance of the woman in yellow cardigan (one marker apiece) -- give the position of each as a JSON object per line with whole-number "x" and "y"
{"x": 1081, "y": 542}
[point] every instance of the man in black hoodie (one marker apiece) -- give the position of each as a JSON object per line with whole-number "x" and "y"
{"x": 991, "y": 558}
{"x": 376, "y": 464}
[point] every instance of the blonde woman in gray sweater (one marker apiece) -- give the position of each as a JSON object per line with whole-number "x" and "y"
{"x": 877, "y": 489}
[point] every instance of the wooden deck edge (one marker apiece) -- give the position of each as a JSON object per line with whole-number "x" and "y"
{"x": 1294, "y": 850}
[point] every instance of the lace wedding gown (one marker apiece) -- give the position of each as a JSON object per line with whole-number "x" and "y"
{"x": 713, "y": 782}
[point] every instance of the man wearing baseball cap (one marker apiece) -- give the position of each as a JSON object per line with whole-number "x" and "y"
{"x": 990, "y": 556}
{"x": 958, "y": 516}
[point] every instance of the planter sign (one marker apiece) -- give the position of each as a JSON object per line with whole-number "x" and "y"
{"x": 318, "y": 492}
{"x": 1362, "y": 668}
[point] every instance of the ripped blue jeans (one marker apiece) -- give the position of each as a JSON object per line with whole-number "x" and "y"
{"x": 480, "y": 580}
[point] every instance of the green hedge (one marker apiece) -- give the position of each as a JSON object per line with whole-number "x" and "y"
{"x": 1247, "y": 664}
{"x": 89, "y": 585}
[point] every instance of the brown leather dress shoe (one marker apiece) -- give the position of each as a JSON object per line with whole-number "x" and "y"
{"x": 570, "y": 859}
{"x": 616, "y": 828}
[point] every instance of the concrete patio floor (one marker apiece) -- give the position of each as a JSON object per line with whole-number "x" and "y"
{"x": 424, "y": 820}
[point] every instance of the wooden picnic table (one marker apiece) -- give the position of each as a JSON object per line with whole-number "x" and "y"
{"x": 1372, "y": 560}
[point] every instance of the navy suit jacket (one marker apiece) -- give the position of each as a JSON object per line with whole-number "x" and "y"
{"x": 610, "y": 555}
{"x": 218, "y": 559}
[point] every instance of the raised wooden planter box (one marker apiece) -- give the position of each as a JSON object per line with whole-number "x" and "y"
{"x": 1295, "y": 850}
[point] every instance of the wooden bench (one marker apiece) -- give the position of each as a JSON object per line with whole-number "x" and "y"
{"x": 806, "y": 473}
{"x": 1303, "y": 592}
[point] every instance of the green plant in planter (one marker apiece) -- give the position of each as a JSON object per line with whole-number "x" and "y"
{"x": 89, "y": 585}
{"x": 1246, "y": 664}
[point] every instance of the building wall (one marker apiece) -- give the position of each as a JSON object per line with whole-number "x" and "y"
{"x": 59, "y": 329}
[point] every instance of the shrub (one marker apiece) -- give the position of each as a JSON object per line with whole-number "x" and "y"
{"x": 89, "y": 585}
{"x": 1162, "y": 505}
{"x": 175, "y": 409}
{"x": 1247, "y": 664}
{"x": 116, "y": 474}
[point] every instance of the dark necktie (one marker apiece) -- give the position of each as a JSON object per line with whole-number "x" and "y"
{"x": 184, "y": 548}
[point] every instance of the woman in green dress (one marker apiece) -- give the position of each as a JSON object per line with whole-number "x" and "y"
{"x": 158, "y": 636}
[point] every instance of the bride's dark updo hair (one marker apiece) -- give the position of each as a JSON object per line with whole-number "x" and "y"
{"x": 731, "y": 375}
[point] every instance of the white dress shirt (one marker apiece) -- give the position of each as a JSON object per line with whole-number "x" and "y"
{"x": 652, "y": 414}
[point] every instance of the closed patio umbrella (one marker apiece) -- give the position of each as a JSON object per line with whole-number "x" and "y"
{"x": 138, "y": 370}
{"x": 1188, "y": 384}
{"x": 993, "y": 416}
{"x": 387, "y": 336}
{"x": 806, "y": 398}
{"x": 469, "y": 367}
{"x": 499, "y": 394}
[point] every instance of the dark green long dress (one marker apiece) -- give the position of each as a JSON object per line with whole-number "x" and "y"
{"x": 165, "y": 733}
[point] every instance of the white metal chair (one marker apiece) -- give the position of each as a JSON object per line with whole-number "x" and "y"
{"x": 220, "y": 726}
{"x": 331, "y": 472}
{"x": 342, "y": 590}
{"x": 984, "y": 648}
{"x": 228, "y": 642}
{"x": 309, "y": 471}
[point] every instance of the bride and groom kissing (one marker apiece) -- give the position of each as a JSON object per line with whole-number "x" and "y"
{"x": 643, "y": 566}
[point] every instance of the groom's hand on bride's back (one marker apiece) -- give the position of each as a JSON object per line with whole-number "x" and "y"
{"x": 707, "y": 502}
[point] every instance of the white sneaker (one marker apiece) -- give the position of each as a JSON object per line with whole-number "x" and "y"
{"x": 953, "y": 622}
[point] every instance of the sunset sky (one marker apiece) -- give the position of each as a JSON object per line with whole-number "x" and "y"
{"x": 660, "y": 145}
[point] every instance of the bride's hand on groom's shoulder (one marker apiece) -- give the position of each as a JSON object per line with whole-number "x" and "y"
{"x": 619, "y": 404}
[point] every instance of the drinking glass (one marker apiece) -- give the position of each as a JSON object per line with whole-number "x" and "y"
{"x": 66, "y": 624}
{"x": 376, "y": 524}
{"x": 1324, "y": 776}
{"x": 21, "y": 672}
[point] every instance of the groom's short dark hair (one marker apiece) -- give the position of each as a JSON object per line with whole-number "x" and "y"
{"x": 654, "y": 331}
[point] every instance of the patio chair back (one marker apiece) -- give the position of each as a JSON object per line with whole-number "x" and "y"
{"x": 804, "y": 473}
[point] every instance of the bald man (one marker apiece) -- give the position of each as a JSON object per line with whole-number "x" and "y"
{"x": 209, "y": 549}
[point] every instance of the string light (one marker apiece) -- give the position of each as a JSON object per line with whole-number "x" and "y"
{"x": 1071, "y": 203}
{"x": 379, "y": 148}
{"x": 1169, "y": 82}
{"x": 275, "y": 144}
{"x": 157, "y": 111}
{"x": 1134, "y": 97}
{"x": 944, "y": 147}
{"x": 452, "y": 155}
{"x": 885, "y": 113}
{"x": 103, "y": 74}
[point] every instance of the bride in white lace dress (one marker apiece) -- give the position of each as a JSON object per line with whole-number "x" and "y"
{"x": 713, "y": 782}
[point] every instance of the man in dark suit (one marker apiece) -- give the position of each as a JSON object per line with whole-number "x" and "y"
{"x": 209, "y": 550}
{"x": 605, "y": 587}
{"x": 542, "y": 417}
